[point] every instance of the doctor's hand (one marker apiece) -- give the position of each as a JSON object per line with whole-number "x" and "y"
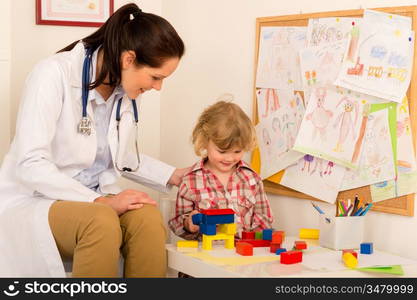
{"x": 177, "y": 176}
{"x": 126, "y": 200}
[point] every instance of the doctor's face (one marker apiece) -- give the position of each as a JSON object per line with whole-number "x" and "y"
{"x": 138, "y": 79}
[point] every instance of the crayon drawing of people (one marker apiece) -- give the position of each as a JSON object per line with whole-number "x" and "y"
{"x": 307, "y": 161}
{"x": 320, "y": 116}
{"x": 347, "y": 125}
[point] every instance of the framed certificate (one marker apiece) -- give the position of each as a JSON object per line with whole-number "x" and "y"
{"x": 89, "y": 13}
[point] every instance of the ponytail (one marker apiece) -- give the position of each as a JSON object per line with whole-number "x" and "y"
{"x": 151, "y": 37}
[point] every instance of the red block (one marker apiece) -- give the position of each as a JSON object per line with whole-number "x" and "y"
{"x": 212, "y": 212}
{"x": 273, "y": 248}
{"x": 257, "y": 243}
{"x": 354, "y": 253}
{"x": 248, "y": 235}
{"x": 277, "y": 237}
{"x": 244, "y": 249}
{"x": 291, "y": 257}
{"x": 300, "y": 245}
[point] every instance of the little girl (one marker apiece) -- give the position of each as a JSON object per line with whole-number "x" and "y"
{"x": 221, "y": 179}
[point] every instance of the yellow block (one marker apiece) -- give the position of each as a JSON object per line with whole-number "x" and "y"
{"x": 350, "y": 260}
{"x": 229, "y": 240}
{"x": 187, "y": 244}
{"x": 227, "y": 228}
{"x": 308, "y": 233}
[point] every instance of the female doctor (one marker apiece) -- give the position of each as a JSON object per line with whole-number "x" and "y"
{"x": 57, "y": 183}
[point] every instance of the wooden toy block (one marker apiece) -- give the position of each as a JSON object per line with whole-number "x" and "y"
{"x": 267, "y": 234}
{"x": 299, "y": 245}
{"x": 258, "y": 235}
{"x": 208, "y": 229}
{"x": 367, "y": 248}
{"x": 218, "y": 219}
{"x": 248, "y": 235}
{"x": 280, "y": 250}
{"x": 197, "y": 219}
{"x": 277, "y": 237}
{"x": 349, "y": 260}
{"x": 227, "y": 228}
{"x": 282, "y": 233}
{"x": 354, "y": 253}
{"x": 273, "y": 247}
{"x": 257, "y": 243}
{"x": 308, "y": 233}
{"x": 208, "y": 239}
{"x": 244, "y": 249}
{"x": 291, "y": 257}
{"x": 213, "y": 212}
{"x": 187, "y": 244}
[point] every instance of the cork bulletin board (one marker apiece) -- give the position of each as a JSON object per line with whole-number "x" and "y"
{"x": 403, "y": 205}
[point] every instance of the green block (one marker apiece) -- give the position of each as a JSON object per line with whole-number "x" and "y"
{"x": 258, "y": 235}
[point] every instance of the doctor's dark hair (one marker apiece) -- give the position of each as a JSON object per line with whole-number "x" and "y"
{"x": 151, "y": 37}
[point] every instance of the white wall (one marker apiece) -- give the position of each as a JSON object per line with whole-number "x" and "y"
{"x": 220, "y": 43}
{"x": 31, "y": 42}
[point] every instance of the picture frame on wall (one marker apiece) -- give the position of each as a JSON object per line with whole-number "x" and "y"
{"x": 87, "y": 13}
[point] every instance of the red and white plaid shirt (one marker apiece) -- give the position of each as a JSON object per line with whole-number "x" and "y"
{"x": 201, "y": 189}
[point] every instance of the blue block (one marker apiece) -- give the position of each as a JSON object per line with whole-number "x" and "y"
{"x": 208, "y": 229}
{"x": 367, "y": 248}
{"x": 197, "y": 219}
{"x": 280, "y": 250}
{"x": 218, "y": 219}
{"x": 267, "y": 234}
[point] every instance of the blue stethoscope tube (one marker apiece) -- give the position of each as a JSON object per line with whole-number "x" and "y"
{"x": 84, "y": 127}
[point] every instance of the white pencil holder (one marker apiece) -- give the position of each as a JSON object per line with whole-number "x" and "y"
{"x": 340, "y": 233}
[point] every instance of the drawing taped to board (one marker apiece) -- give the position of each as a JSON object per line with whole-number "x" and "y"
{"x": 314, "y": 176}
{"x": 321, "y": 31}
{"x": 332, "y": 125}
{"x": 379, "y": 57}
{"x": 280, "y": 115}
{"x": 320, "y": 65}
{"x": 376, "y": 162}
{"x": 278, "y": 61}
{"x": 406, "y": 161}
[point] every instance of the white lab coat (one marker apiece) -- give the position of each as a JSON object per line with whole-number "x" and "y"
{"x": 46, "y": 153}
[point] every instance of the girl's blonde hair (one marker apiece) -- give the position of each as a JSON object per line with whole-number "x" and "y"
{"x": 226, "y": 125}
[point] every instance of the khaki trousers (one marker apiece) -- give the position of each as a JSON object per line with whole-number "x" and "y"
{"x": 93, "y": 235}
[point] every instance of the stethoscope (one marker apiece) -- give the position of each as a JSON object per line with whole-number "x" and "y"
{"x": 84, "y": 127}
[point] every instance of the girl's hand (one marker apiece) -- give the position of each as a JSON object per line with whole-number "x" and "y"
{"x": 188, "y": 222}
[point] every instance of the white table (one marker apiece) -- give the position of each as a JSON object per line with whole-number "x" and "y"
{"x": 196, "y": 267}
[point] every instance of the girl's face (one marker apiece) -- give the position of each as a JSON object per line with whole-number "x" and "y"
{"x": 137, "y": 80}
{"x": 223, "y": 161}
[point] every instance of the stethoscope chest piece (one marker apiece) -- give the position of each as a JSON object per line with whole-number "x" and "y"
{"x": 84, "y": 127}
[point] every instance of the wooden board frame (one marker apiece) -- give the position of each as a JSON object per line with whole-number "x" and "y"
{"x": 403, "y": 205}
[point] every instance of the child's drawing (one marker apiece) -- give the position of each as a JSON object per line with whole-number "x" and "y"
{"x": 328, "y": 30}
{"x": 346, "y": 122}
{"x": 278, "y": 61}
{"x": 320, "y": 65}
{"x": 320, "y": 116}
{"x": 379, "y": 57}
{"x": 277, "y": 129}
{"x": 377, "y": 155}
{"x": 315, "y": 177}
{"x": 335, "y": 115}
{"x": 270, "y": 102}
{"x": 406, "y": 162}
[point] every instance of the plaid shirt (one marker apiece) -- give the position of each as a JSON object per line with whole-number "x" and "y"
{"x": 201, "y": 189}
